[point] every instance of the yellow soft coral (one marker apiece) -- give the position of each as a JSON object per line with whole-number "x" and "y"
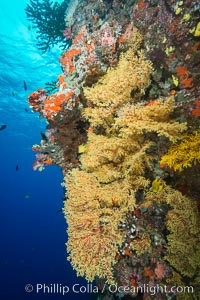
{"x": 113, "y": 162}
{"x": 136, "y": 120}
{"x": 93, "y": 213}
{"x": 183, "y": 154}
{"x": 124, "y": 152}
{"x": 183, "y": 248}
{"x": 112, "y": 91}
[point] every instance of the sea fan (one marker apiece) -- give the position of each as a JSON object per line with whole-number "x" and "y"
{"x": 49, "y": 19}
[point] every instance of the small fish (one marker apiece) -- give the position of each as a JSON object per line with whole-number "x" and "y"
{"x": 60, "y": 210}
{"x": 13, "y": 93}
{"x": 44, "y": 137}
{"x": 157, "y": 185}
{"x": 2, "y": 127}
{"x": 25, "y": 86}
{"x": 29, "y": 27}
{"x": 17, "y": 168}
{"x": 26, "y": 196}
{"x": 26, "y": 109}
{"x": 82, "y": 149}
{"x": 175, "y": 80}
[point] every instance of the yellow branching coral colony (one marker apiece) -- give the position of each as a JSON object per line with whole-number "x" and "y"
{"x": 114, "y": 165}
{"x": 184, "y": 154}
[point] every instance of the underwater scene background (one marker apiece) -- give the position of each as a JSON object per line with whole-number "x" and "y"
{"x": 100, "y": 149}
{"x": 33, "y": 235}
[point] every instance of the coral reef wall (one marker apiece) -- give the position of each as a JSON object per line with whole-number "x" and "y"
{"x": 124, "y": 127}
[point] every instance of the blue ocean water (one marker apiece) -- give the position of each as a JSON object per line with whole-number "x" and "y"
{"x": 33, "y": 235}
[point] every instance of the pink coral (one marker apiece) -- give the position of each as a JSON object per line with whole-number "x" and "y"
{"x": 107, "y": 38}
{"x": 67, "y": 33}
{"x": 160, "y": 270}
{"x": 41, "y": 161}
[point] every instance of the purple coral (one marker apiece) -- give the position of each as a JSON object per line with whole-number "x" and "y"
{"x": 67, "y": 33}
